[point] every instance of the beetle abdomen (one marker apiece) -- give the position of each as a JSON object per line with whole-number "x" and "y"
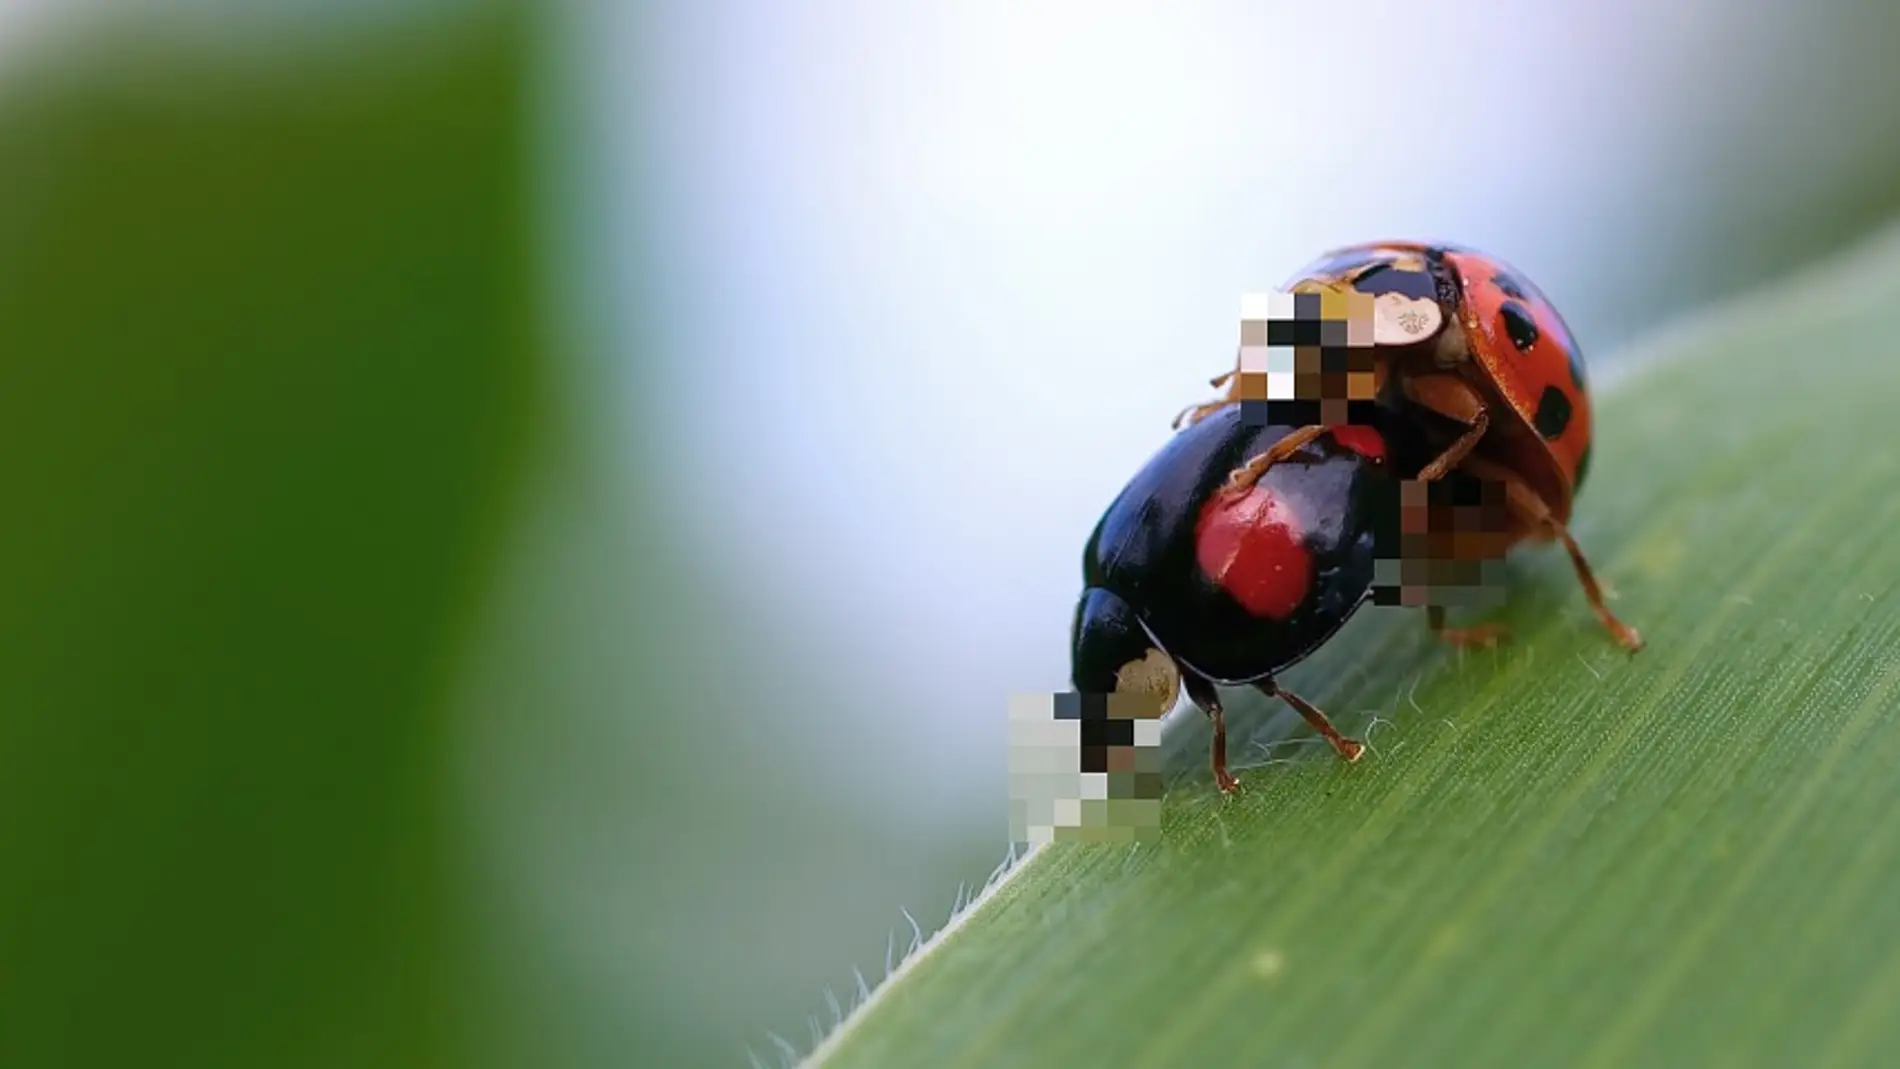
{"x": 1238, "y": 588}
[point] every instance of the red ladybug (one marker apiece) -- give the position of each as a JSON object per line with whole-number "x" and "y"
{"x": 1492, "y": 372}
{"x": 1191, "y": 584}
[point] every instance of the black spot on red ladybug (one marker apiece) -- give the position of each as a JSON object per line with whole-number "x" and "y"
{"x": 1511, "y": 286}
{"x": 1553, "y": 413}
{"x": 1583, "y": 467}
{"x": 1519, "y": 325}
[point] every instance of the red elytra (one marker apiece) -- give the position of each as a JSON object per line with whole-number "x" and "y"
{"x": 1524, "y": 366}
{"x": 1533, "y": 363}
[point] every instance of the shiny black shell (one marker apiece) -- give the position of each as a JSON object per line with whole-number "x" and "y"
{"x": 1141, "y": 563}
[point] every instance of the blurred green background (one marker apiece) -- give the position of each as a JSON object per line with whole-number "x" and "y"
{"x": 419, "y": 644}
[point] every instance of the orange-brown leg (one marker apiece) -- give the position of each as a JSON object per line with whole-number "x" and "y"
{"x": 1456, "y": 453}
{"x": 1450, "y": 396}
{"x": 1203, "y": 695}
{"x": 1481, "y": 635}
{"x": 1249, "y": 473}
{"x": 1350, "y": 749}
{"x": 1622, "y": 632}
{"x": 1193, "y": 414}
{"x": 1529, "y": 506}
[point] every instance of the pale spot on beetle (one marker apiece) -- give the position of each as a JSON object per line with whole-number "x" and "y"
{"x": 1401, "y": 320}
{"x": 1147, "y": 688}
{"x": 1269, "y": 964}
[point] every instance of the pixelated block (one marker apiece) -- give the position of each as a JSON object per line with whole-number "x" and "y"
{"x": 1083, "y": 768}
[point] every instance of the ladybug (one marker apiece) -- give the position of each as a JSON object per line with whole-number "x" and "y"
{"x": 1484, "y": 364}
{"x": 1190, "y": 583}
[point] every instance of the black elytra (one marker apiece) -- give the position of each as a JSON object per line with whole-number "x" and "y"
{"x": 1145, "y": 588}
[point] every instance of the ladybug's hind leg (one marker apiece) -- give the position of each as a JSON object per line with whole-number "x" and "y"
{"x": 1481, "y": 635}
{"x": 1529, "y": 506}
{"x": 1203, "y": 695}
{"x": 1350, "y": 749}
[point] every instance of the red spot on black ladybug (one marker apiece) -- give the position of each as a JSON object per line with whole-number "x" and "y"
{"x": 1553, "y": 413}
{"x": 1361, "y": 439}
{"x": 1254, "y": 549}
{"x": 1519, "y": 324}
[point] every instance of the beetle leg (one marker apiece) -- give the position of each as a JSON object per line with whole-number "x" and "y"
{"x": 1481, "y": 635}
{"x": 1530, "y": 508}
{"x": 1452, "y": 397}
{"x": 1243, "y": 477}
{"x": 1456, "y": 453}
{"x": 1203, "y": 695}
{"x": 1195, "y": 413}
{"x": 1350, "y": 749}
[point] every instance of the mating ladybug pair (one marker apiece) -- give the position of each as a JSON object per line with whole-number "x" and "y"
{"x": 1246, "y": 542}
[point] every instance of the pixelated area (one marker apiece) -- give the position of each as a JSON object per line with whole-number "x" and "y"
{"x": 1084, "y": 768}
{"x": 1305, "y": 354}
{"x": 1452, "y": 536}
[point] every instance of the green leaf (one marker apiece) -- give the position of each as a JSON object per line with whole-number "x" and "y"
{"x": 1556, "y": 854}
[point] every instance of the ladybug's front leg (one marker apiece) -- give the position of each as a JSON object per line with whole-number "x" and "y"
{"x": 1193, "y": 414}
{"x": 1456, "y": 453}
{"x": 1450, "y": 396}
{"x": 1529, "y": 506}
{"x": 1245, "y": 476}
